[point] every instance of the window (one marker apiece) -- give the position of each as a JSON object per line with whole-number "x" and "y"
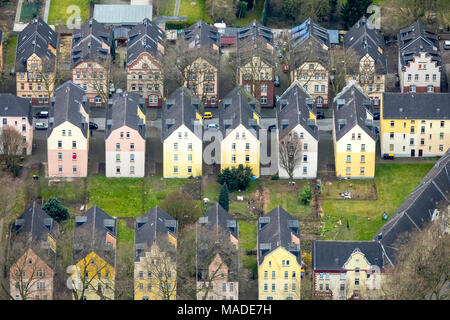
{"x": 117, "y": 170}
{"x": 321, "y": 275}
{"x": 305, "y": 146}
{"x": 316, "y": 88}
{"x": 342, "y": 277}
{"x": 117, "y": 146}
{"x": 286, "y": 287}
{"x": 60, "y": 169}
{"x": 412, "y": 89}
{"x": 422, "y": 129}
{"x": 293, "y": 274}
{"x": 175, "y": 169}
{"x": 349, "y": 159}
{"x": 265, "y": 274}
{"x": 273, "y": 286}
{"x": 74, "y": 169}
{"x": 441, "y": 136}
{"x": 442, "y": 124}
{"x": 412, "y": 129}
{"x": 391, "y": 135}
{"x": 286, "y": 274}
{"x": 233, "y": 146}
{"x": 265, "y": 287}
{"x": 422, "y": 141}
{"x": 224, "y": 287}
{"x": 363, "y": 159}
{"x": 349, "y": 147}
{"x": 247, "y": 158}
{"x": 434, "y": 77}
{"x": 347, "y": 170}
{"x": 357, "y": 282}
{"x": 190, "y": 157}
{"x": 131, "y": 157}
{"x": 430, "y": 89}
{"x": 175, "y": 146}
{"x": 305, "y": 158}
{"x": 74, "y": 144}
{"x": 74, "y": 156}
{"x": 327, "y": 286}
{"x": 356, "y": 270}
{"x": 59, "y": 144}
{"x": 363, "y": 147}
{"x": 263, "y": 99}
{"x": 416, "y": 77}
{"x": 264, "y": 88}
{"x": 141, "y": 275}
{"x": 175, "y": 157}
{"x": 361, "y": 171}
{"x": 233, "y": 158}
{"x": 273, "y": 274}
{"x": 64, "y": 132}
{"x": 118, "y": 157}
{"x": 247, "y": 146}
{"x": 411, "y": 141}
{"x": 305, "y": 170}
{"x": 189, "y": 146}
{"x": 237, "y": 135}
{"x": 441, "y": 147}
{"x": 59, "y": 156}
{"x": 323, "y": 88}
{"x": 321, "y": 287}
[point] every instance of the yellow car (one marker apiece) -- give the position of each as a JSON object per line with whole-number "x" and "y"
{"x": 207, "y": 115}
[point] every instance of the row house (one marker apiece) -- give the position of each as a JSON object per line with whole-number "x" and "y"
{"x": 125, "y": 136}
{"x": 155, "y": 256}
{"x": 344, "y": 270}
{"x": 1, "y": 50}
{"x": 355, "y": 269}
{"x": 309, "y": 45}
{"x": 32, "y": 252}
{"x": 145, "y": 50}
{"x": 91, "y": 59}
{"x": 217, "y": 256}
{"x": 202, "y": 73}
{"x": 15, "y": 112}
{"x": 297, "y": 128}
{"x": 68, "y": 132}
{"x": 367, "y": 44}
{"x": 239, "y": 124}
{"x": 419, "y": 65}
{"x": 35, "y": 64}
{"x": 415, "y": 125}
{"x": 255, "y": 63}
{"x": 94, "y": 255}
{"x": 181, "y": 135}
{"x": 354, "y": 135}
{"x": 279, "y": 257}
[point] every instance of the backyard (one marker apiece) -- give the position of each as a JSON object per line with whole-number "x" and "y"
{"x": 394, "y": 182}
{"x": 61, "y": 11}
{"x": 194, "y": 10}
{"x": 166, "y": 7}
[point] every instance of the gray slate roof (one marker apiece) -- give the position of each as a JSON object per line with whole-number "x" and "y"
{"x": 274, "y": 231}
{"x": 218, "y": 222}
{"x": 293, "y": 108}
{"x": 36, "y": 38}
{"x": 202, "y": 35}
{"x": 89, "y": 234}
{"x": 416, "y": 106}
{"x": 252, "y": 31}
{"x": 87, "y": 43}
{"x": 235, "y": 109}
{"x": 118, "y": 14}
{"x": 144, "y": 37}
{"x": 364, "y": 40}
{"x": 418, "y": 208}
{"x": 14, "y": 106}
{"x": 332, "y": 255}
{"x": 122, "y": 111}
{"x": 415, "y": 39}
{"x": 35, "y": 223}
{"x": 251, "y": 42}
{"x": 153, "y": 227}
{"x": 178, "y": 109}
{"x": 353, "y": 112}
{"x": 310, "y": 51}
{"x": 66, "y": 104}
{"x": 309, "y": 29}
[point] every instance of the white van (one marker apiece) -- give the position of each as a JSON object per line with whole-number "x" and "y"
{"x": 447, "y": 44}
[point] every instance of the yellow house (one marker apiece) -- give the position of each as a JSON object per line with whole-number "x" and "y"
{"x": 415, "y": 125}
{"x": 182, "y": 135}
{"x": 94, "y": 254}
{"x": 347, "y": 270}
{"x": 239, "y": 125}
{"x": 279, "y": 257}
{"x": 155, "y": 246}
{"x": 354, "y": 136}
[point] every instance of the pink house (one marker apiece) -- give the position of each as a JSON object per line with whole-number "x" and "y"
{"x": 217, "y": 256}
{"x": 33, "y": 255}
{"x": 125, "y": 136}
{"x": 16, "y": 112}
{"x": 68, "y": 132}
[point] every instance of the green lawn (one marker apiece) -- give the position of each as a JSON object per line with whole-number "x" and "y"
{"x": 58, "y": 14}
{"x": 166, "y": 7}
{"x": 10, "y": 55}
{"x": 194, "y": 12}
{"x": 254, "y": 14}
{"x": 120, "y": 197}
{"x": 124, "y": 234}
{"x": 29, "y": 11}
{"x": 394, "y": 183}
{"x": 247, "y": 241}
{"x": 286, "y": 196}
{"x": 68, "y": 192}
{"x": 361, "y": 189}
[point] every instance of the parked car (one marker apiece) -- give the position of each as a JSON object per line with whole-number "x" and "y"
{"x": 276, "y": 81}
{"x": 320, "y": 115}
{"x": 41, "y": 115}
{"x": 285, "y": 68}
{"x": 93, "y": 126}
{"x": 207, "y": 115}
{"x": 41, "y": 126}
{"x": 447, "y": 44}
{"x": 376, "y": 116}
{"x": 213, "y": 126}
{"x": 389, "y": 156}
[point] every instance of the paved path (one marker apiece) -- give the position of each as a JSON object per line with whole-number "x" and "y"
{"x": 177, "y": 8}
{"x": 47, "y": 9}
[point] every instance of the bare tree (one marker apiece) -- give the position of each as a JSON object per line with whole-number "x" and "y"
{"x": 98, "y": 76}
{"x": 341, "y": 64}
{"x": 182, "y": 207}
{"x": 49, "y": 77}
{"x": 13, "y": 145}
{"x": 290, "y": 153}
{"x": 421, "y": 269}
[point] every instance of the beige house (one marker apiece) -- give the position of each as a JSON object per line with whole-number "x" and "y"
{"x": 145, "y": 50}
{"x": 367, "y": 44}
{"x": 90, "y": 60}
{"x": 36, "y": 62}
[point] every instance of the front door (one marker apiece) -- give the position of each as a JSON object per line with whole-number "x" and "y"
{"x": 420, "y": 152}
{"x": 413, "y": 153}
